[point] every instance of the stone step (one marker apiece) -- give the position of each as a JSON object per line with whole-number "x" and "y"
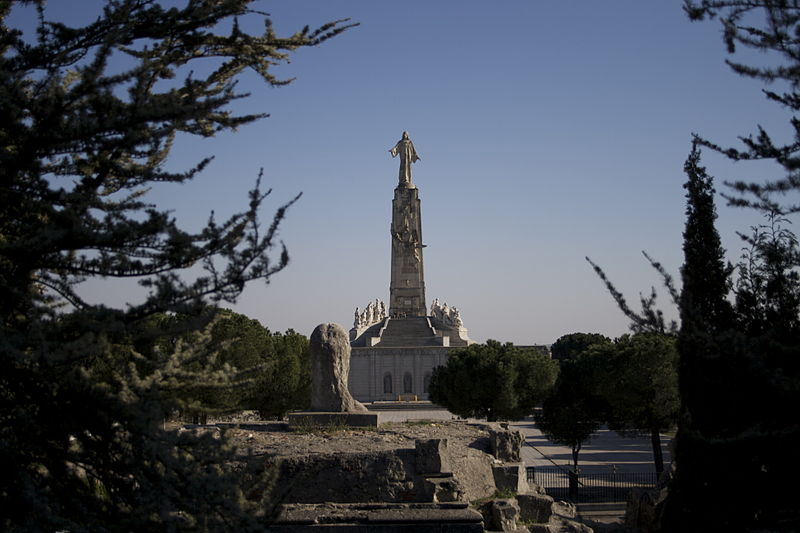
{"x": 403, "y": 326}
{"x": 408, "y": 327}
{"x": 398, "y": 341}
{"x": 372, "y": 331}
{"x": 413, "y": 331}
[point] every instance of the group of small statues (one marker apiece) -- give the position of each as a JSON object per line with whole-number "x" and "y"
{"x": 373, "y": 313}
{"x": 447, "y": 316}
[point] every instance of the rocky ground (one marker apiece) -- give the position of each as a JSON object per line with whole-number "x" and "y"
{"x": 274, "y": 438}
{"x": 468, "y": 444}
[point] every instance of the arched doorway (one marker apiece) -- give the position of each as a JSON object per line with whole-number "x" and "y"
{"x": 407, "y": 384}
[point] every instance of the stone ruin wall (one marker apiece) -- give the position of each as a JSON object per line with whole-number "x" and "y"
{"x": 381, "y": 476}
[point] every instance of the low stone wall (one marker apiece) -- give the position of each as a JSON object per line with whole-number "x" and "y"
{"x": 430, "y": 472}
{"x": 386, "y": 476}
{"x": 384, "y": 518}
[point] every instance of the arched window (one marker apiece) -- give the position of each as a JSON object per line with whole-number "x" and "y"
{"x": 387, "y": 383}
{"x": 426, "y": 382}
{"x": 407, "y": 389}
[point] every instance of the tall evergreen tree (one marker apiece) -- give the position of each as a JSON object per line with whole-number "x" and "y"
{"x": 88, "y": 116}
{"x": 706, "y": 318}
{"x": 705, "y": 274}
{"x": 738, "y": 374}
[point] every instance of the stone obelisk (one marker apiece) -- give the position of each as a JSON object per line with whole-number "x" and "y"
{"x": 407, "y": 288}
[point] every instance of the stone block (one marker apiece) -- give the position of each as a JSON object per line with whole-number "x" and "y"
{"x": 432, "y": 456}
{"x": 535, "y": 507}
{"x": 505, "y": 514}
{"x": 441, "y": 489}
{"x": 320, "y": 420}
{"x": 511, "y": 477}
{"x": 506, "y": 444}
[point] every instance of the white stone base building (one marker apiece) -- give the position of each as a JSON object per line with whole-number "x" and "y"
{"x": 394, "y": 359}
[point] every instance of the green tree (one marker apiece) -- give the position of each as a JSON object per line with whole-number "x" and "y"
{"x": 768, "y": 285}
{"x": 88, "y": 116}
{"x": 572, "y": 345}
{"x": 273, "y": 369}
{"x": 285, "y": 383}
{"x": 493, "y": 381}
{"x": 637, "y": 378}
{"x": 574, "y": 410}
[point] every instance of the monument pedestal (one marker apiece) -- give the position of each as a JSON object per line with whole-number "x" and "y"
{"x": 407, "y": 287}
{"x": 328, "y": 419}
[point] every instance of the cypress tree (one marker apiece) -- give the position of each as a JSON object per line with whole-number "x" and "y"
{"x": 706, "y": 317}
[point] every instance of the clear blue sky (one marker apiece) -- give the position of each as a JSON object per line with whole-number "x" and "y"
{"x": 547, "y": 130}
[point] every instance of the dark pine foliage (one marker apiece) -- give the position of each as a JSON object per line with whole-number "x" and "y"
{"x": 573, "y": 410}
{"x": 88, "y": 116}
{"x": 494, "y": 381}
{"x": 572, "y": 345}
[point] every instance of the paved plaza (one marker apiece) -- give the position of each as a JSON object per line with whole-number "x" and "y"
{"x": 605, "y": 451}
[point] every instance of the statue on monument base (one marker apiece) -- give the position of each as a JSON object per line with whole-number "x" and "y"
{"x": 373, "y": 313}
{"x": 408, "y": 155}
{"x": 445, "y": 315}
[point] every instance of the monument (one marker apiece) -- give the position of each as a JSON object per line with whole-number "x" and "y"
{"x": 395, "y": 350}
{"x": 407, "y": 288}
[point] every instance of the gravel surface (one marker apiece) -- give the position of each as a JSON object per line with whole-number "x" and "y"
{"x": 274, "y": 438}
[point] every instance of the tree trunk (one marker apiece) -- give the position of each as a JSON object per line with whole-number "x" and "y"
{"x": 658, "y": 457}
{"x": 575, "y": 451}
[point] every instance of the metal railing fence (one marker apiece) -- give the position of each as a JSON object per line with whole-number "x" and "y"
{"x": 612, "y": 486}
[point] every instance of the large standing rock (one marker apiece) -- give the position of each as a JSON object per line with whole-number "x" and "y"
{"x": 330, "y": 367}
